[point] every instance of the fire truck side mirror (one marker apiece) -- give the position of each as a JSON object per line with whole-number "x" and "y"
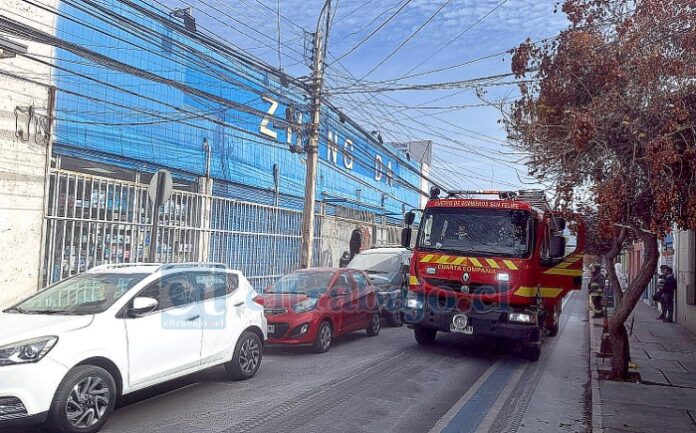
{"x": 406, "y": 235}
{"x": 409, "y": 218}
{"x": 560, "y": 224}
{"x": 557, "y": 247}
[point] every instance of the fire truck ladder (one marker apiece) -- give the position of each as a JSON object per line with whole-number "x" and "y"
{"x": 535, "y": 197}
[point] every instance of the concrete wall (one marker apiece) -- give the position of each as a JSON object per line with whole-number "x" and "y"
{"x": 22, "y": 159}
{"x": 685, "y": 272}
{"x": 335, "y": 238}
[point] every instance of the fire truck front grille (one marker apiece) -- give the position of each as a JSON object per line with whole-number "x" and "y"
{"x": 460, "y": 287}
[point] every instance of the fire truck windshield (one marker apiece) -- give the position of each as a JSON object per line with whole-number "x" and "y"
{"x": 474, "y": 231}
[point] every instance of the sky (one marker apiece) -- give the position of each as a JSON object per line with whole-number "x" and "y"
{"x": 470, "y": 146}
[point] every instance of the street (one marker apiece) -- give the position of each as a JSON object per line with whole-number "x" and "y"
{"x": 382, "y": 384}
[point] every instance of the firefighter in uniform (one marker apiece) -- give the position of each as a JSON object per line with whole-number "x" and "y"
{"x": 596, "y": 288}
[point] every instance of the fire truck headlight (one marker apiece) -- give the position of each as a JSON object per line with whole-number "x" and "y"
{"x": 503, "y": 277}
{"x": 522, "y": 318}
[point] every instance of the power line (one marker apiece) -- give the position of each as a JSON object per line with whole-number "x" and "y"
{"x": 451, "y": 41}
{"x": 149, "y": 36}
{"x": 409, "y": 38}
{"x": 367, "y": 38}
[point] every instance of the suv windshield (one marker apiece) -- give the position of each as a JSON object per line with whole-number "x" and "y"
{"x": 486, "y": 232}
{"x": 80, "y": 295}
{"x": 377, "y": 263}
{"x": 312, "y": 284}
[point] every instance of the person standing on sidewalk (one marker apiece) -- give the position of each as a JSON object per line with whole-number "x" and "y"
{"x": 667, "y": 286}
{"x": 596, "y": 288}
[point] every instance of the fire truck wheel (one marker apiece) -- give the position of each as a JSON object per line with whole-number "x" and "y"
{"x": 425, "y": 336}
{"x": 552, "y": 331}
{"x": 531, "y": 353}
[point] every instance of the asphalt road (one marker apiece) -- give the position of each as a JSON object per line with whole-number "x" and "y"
{"x": 381, "y": 384}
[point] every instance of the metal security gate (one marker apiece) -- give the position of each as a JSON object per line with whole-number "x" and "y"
{"x": 94, "y": 220}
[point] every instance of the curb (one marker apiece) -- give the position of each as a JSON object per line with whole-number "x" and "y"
{"x": 597, "y": 421}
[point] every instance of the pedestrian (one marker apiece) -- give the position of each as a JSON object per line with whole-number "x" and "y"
{"x": 621, "y": 276}
{"x": 345, "y": 259}
{"x": 666, "y": 285}
{"x": 355, "y": 242}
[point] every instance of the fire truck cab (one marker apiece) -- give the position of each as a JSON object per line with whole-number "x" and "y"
{"x": 493, "y": 267}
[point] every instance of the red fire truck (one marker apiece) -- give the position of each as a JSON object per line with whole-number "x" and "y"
{"x": 494, "y": 267}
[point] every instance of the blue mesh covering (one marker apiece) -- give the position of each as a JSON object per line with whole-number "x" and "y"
{"x": 114, "y": 115}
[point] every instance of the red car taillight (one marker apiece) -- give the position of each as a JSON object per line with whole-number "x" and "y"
{"x": 258, "y": 299}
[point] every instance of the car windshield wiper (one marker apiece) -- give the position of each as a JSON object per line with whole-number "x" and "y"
{"x": 17, "y": 309}
{"x": 371, "y": 271}
{"x": 48, "y": 312}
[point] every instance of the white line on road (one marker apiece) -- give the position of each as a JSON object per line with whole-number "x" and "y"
{"x": 494, "y": 411}
{"x": 454, "y": 410}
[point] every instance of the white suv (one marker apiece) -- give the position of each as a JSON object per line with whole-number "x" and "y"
{"x": 70, "y": 351}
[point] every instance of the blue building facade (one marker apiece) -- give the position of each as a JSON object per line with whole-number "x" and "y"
{"x": 137, "y": 90}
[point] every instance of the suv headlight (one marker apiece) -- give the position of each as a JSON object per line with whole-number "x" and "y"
{"x": 304, "y": 306}
{"x": 413, "y": 301}
{"x": 26, "y": 351}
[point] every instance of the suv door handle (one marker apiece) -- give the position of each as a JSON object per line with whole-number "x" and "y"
{"x": 191, "y": 319}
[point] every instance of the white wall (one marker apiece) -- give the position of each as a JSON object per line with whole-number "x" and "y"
{"x": 22, "y": 164}
{"x": 684, "y": 263}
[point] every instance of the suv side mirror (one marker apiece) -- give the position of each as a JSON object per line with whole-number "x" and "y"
{"x": 406, "y": 235}
{"x": 143, "y": 305}
{"x": 557, "y": 247}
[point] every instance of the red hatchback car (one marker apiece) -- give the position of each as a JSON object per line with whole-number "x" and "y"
{"x": 312, "y": 306}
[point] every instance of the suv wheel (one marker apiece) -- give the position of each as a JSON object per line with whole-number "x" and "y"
{"x": 322, "y": 341}
{"x": 247, "y": 357}
{"x": 425, "y": 336}
{"x": 84, "y": 400}
{"x": 394, "y": 319}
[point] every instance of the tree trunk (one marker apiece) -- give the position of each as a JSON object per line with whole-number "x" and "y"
{"x": 617, "y": 331}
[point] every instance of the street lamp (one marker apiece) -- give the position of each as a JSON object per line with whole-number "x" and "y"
{"x": 9, "y": 49}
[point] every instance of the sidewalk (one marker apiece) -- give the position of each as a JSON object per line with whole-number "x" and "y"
{"x": 665, "y": 400}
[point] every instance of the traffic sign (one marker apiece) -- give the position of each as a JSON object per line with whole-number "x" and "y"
{"x": 160, "y": 188}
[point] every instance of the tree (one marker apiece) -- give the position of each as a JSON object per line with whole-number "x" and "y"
{"x": 607, "y": 110}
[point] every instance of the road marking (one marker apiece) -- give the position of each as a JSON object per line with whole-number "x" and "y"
{"x": 454, "y": 410}
{"x": 494, "y": 411}
{"x": 469, "y": 415}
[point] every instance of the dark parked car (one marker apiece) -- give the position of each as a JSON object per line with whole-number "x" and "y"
{"x": 387, "y": 267}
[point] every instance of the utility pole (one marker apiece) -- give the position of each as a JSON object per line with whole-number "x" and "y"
{"x": 319, "y": 55}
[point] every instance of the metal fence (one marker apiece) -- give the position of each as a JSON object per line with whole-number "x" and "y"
{"x": 261, "y": 241}
{"x": 92, "y": 220}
